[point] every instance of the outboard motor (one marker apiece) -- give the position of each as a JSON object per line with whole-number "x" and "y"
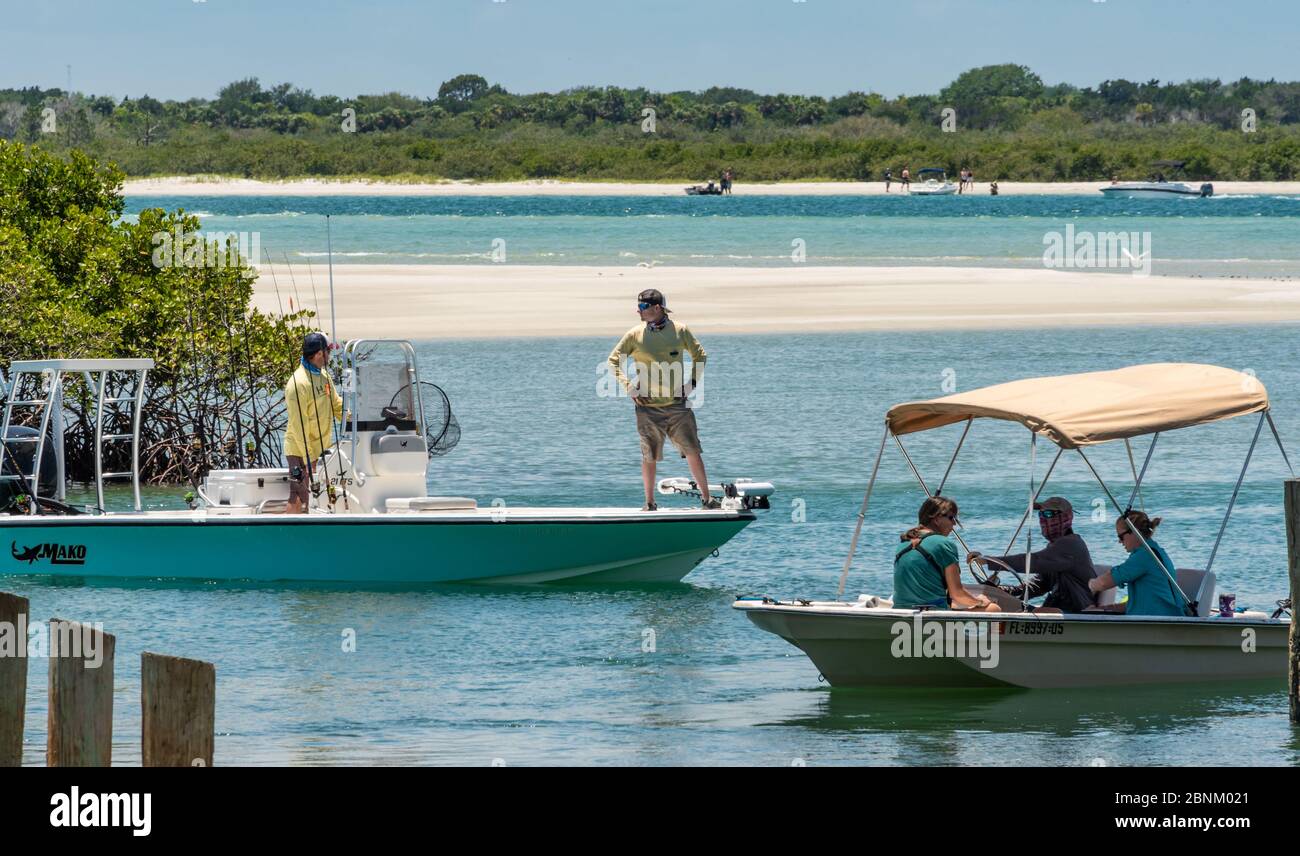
{"x": 22, "y": 454}
{"x": 1207, "y": 189}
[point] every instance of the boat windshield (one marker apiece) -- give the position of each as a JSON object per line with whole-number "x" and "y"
{"x": 386, "y": 388}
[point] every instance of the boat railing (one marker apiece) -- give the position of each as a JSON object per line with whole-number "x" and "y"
{"x": 127, "y": 381}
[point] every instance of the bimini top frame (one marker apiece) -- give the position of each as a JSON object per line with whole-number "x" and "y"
{"x": 49, "y": 415}
{"x": 1086, "y": 409}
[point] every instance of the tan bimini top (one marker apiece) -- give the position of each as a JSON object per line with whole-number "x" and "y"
{"x": 1094, "y": 407}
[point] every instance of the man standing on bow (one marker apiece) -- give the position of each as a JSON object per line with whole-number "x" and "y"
{"x": 657, "y": 346}
{"x": 311, "y": 406}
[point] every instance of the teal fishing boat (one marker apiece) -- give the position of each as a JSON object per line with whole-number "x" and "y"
{"x": 372, "y": 522}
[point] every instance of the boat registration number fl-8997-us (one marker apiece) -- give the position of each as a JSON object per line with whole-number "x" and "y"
{"x": 1031, "y": 628}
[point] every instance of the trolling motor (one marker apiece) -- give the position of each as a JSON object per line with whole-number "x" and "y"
{"x": 742, "y": 493}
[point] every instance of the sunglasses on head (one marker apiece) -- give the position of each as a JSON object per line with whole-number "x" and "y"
{"x": 643, "y": 306}
{"x": 1122, "y": 534}
{"x": 1048, "y": 513}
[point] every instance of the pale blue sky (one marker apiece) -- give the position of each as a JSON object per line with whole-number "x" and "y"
{"x": 182, "y": 48}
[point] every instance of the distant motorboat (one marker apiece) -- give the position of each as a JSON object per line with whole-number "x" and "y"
{"x": 1158, "y": 187}
{"x": 932, "y": 181}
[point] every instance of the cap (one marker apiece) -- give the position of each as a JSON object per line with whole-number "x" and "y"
{"x": 654, "y": 297}
{"x": 1054, "y": 503}
{"x": 313, "y": 342}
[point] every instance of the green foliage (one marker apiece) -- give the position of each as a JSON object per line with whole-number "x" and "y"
{"x": 1009, "y": 125}
{"x": 77, "y": 281}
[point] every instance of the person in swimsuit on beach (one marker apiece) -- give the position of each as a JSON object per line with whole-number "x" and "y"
{"x": 905, "y": 179}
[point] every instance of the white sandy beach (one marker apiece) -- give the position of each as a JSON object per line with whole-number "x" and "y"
{"x": 486, "y": 301}
{"x": 217, "y": 186}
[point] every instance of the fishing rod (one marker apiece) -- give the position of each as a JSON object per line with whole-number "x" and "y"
{"x": 194, "y": 364}
{"x": 234, "y": 381}
{"x": 329, "y": 251}
{"x": 338, "y": 427}
{"x": 270, "y": 264}
{"x": 314, "y": 296}
{"x": 252, "y": 392}
{"x": 289, "y": 267}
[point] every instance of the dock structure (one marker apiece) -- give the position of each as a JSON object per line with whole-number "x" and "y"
{"x": 14, "y": 612}
{"x": 1292, "y": 505}
{"x": 80, "y": 721}
{"x": 177, "y": 697}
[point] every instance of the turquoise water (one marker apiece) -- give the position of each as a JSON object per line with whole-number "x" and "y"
{"x": 1218, "y": 236}
{"x": 549, "y": 675}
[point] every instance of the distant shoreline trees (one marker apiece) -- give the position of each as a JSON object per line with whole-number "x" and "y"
{"x": 1008, "y": 124}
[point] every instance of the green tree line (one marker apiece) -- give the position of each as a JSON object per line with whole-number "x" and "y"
{"x": 1008, "y": 124}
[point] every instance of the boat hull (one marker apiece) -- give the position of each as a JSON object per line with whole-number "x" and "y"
{"x": 492, "y": 547}
{"x": 854, "y": 647}
{"x": 1165, "y": 192}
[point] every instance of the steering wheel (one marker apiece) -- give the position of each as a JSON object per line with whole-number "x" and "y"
{"x": 992, "y": 579}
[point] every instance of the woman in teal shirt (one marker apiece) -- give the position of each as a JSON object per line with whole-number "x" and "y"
{"x": 1150, "y": 589}
{"x": 926, "y": 573}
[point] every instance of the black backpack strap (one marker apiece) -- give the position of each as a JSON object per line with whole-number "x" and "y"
{"x": 934, "y": 564}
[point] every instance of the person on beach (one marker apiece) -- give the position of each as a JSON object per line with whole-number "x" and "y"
{"x": 961, "y": 181}
{"x": 1062, "y": 569}
{"x": 993, "y": 188}
{"x": 926, "y": 574}
{"x": 656, "y": 346}
{"x": 905, "y": 179}
{"x": 888, "y": 178}
{"x": 726, "y": 182}
{"x": 1151, "y": 589}
{"x": 311, "y": 406}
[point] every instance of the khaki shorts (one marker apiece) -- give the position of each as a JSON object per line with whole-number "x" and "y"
{"x": 676, "y": 422}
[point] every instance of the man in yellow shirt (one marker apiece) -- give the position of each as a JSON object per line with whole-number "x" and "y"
{"x": 656, "y": 347}
{"x": 311, "y": 406}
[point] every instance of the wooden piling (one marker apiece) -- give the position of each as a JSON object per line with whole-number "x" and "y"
{"x": 179, "y": 701}
{"x": 14, "y": 612}
{"x": 80, "y": 719}
{"x": 1292, "y": 506}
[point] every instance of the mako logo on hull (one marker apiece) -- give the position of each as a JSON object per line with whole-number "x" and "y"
{"x": 55, "y": 554}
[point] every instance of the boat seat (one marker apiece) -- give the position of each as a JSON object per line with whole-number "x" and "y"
{"x": 1198, "y": 585}
{"x": 431, "y": 503}
{"x": 1110, "y": 596}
